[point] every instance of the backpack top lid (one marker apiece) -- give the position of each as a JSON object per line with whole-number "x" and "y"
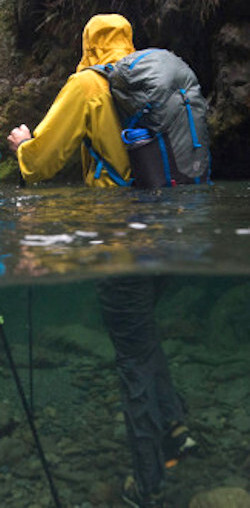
{"x": 149, "y": 79}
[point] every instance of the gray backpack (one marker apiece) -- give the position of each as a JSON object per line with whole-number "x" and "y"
{"x": 163, "y": 118}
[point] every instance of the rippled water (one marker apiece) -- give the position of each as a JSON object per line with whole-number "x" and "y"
{"x": 73, "y": 232}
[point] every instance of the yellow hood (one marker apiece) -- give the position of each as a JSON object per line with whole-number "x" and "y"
{"x": 106, "y": 39}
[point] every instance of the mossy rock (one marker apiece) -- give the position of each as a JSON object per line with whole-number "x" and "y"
{"x": 230, "y": 321}
{"x": 221, "y": 497}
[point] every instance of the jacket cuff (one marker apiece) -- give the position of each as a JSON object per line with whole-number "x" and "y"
{"x": 23, "y": 141}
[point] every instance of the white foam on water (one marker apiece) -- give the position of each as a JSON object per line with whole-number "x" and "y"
{"x": 96, "y": 242}
{"x": 242, "y": 231}
{"x": 87, "y": 234}
{"x": 137, "y": 225}
{"x": 46, "y": 240}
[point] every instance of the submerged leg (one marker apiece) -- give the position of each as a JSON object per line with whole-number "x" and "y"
{"x": 150, "y": 402}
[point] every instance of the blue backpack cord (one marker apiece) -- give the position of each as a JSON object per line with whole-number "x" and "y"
{"x": 101, "y": 162}
{"x": 140, "y": 57}
{"x": 131, "y": 136}
{"x": 164, "y": 155}
{"x": 131, "y": 121}
{"x": 196, "y": 143}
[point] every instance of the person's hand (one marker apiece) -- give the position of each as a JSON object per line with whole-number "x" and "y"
{"x": 18, "y": 135}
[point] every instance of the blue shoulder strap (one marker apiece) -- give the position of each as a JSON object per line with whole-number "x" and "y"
{"x": 104, "y": 70}
{"x": 102, "y": 163}
{"x": 164, "y": 155}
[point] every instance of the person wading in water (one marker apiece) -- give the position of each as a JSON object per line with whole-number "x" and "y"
{"x": 84, "y": 109}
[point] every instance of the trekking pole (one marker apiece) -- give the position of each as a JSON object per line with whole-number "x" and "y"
{"x": 30, "y": 338}
{"x": 29, "y": 415}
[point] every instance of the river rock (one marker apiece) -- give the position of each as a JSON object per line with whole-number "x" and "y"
{"x": 12, "y": 451}
{"x": 221, "y": 497}
{"x": 229, "y": 318}
{"x": 79, "y": 340}
{"x": 102, "y": 493}
{"x": 7, "y": 421}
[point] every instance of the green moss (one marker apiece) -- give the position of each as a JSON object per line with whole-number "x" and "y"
{"x": 9, "y": 170}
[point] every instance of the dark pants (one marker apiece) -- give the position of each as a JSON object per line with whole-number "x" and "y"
{"x": 150, "y": 402}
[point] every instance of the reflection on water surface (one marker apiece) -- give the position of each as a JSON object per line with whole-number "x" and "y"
{"x": 70, "y": 232}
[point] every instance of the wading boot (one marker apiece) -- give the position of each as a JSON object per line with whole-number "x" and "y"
{"x": 178, "y": 443}
{"x": 134, "y": 498}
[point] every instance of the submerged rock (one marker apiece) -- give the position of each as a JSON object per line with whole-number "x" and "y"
{"x": 7, "y": 421}
{"x": 12, "y": 451}
{"x": 79, "y": 340}
{"x": 222, "y": 497}
{"x": 229, "y": 319}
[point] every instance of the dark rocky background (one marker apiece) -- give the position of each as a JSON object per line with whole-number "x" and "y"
{"x": 40, "y": 46}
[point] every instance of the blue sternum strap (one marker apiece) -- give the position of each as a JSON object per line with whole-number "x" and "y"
{"x": 195, "y": 140}
{"x": 102, "y": 163}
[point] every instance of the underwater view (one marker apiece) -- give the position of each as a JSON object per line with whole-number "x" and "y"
{"x": 80, "y": 270}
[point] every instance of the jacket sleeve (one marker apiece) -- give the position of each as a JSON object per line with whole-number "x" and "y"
{"x": 58, "y": 135}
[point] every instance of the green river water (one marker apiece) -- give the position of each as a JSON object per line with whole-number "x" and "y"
{"x": 57, "y": 244}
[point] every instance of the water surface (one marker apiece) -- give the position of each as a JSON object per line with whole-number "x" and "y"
{"x": 73, "y": 232}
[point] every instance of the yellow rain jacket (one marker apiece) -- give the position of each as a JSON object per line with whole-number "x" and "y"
{"x": 83, "y": 107}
